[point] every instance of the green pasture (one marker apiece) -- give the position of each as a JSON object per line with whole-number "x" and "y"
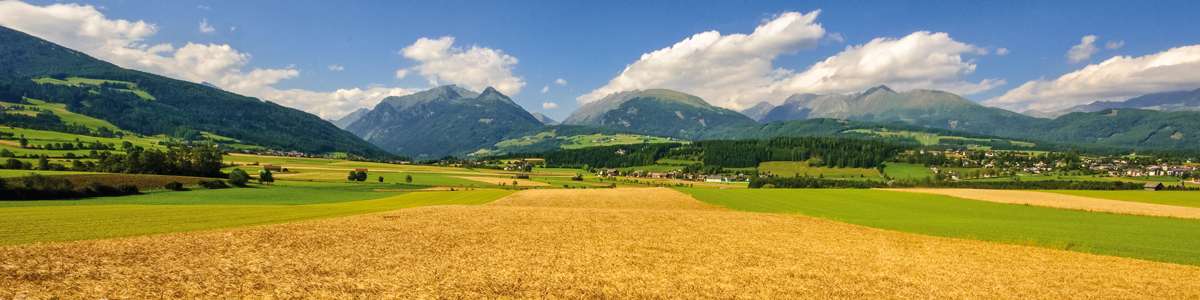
{"x": 906, "y": 171}
{"x": 164, "y": 212}
{"x": 1150, "y": 238}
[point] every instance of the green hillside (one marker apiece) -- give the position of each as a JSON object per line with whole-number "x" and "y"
{"x": 149, "y": 104}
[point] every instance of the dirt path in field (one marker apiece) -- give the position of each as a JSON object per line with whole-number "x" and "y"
{"x": 1065, "y": 201}
{"x": 624, "y": 198}
{"x": 635, "y": 243}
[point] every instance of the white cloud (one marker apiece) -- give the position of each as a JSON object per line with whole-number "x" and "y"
{"x": 1002, "y": 51}
{"x": 726, "y": 70}
{"x": 549, "y": 105}
{"x": 560, "y": 81}
{"x": 920, "y": 60}
{"x": 401, "y": 73}
{"x": 123, "y": 42}
{"x": 736, "y": 70}
{"x": 332, "y": 105}
{"x": 203, "y": 7}
{"x": 205, "y": 27}
{"x": 337, "y": 68}
{"x": 1117, "y": 78}
{"x": 545, "y": 89}
{"x": 1114, "y": 45}
{"x": 836, "y": 37}
{"x": 474, "y": 67}
{"x": 1084, "y": 50}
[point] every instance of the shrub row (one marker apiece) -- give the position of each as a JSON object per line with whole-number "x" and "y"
{"x": 38, "y": 187}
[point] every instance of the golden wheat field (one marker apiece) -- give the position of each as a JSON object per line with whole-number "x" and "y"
{"x": 621, "y": 243}
{"x": 1065, "y": 201}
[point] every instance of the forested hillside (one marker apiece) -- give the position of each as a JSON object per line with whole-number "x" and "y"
{"x": 819, "y": 151}
{"x": 151, "y": 104}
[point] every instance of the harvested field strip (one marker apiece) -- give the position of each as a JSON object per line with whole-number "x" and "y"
{"x": 629, "y": 198}
{"x": 19, "y": 225}
{"x": 1066, "y": 201}
{"x": 1176, "y": 198}
{"x": 1153, "y": 238}
{"x": 503, "y": 181}
{"x": 494, "y": 251}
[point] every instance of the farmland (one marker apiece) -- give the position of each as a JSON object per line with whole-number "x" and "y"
{"x": 1152, "y": 238}
{"x": 622, "y": 243}
{"x": 163, "y": 212}
{"x": 1187, "y": 199}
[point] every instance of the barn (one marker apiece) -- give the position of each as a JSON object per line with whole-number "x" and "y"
{"x": 1154, "y": 186}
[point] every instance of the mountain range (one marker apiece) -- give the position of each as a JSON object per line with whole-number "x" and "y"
{"x": 451, "y": 120}
{"x": 446, "y": 120}
{"x": 1165, "y": 101}
{"x": 925, "y": 108}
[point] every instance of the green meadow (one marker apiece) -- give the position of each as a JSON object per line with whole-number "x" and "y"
{"x": 164, "y": 212}
{"x": 1150, "y": 238}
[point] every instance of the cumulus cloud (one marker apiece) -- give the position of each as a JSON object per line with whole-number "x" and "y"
{"x": 726, "y": 70}
{"x": 1117, "y": 78}
{"x": 1002, "y": 51}
{"x": 737, "y": 71}
{"x": 401, "y": 73}
{"x": 440, "y": 62}
{"x": 560, "y": 81}
{"x": 1114, "y": 45}
{"x": 205, "y": 27}
{"x": 549, "y": 105}
{"x": 545, "y": 89}
{"x": 1084, "y": 50}
{"x": 921, "y": 59}
{"x": 123, "y": 42}
{"x": 337, "y": 68}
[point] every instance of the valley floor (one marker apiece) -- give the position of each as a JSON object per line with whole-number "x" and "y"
{"x": 608, "y": 243}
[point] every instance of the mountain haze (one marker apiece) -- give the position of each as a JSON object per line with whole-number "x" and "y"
{"x": 925, "y": 108}
{"x": 658, "y": 112}
{"x": 544, "y": 119}
{"x": 446, "y": 120}
{"x": 1165, "y": 101}
{"x": 348, "y": 119}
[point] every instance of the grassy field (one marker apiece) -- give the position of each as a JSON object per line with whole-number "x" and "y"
{"x": 802, "y": 168}
{"x": 81, "y": 81}
{"x": 605, "y": 244}
{"x": 1152, "y": 238}
{"x": 929, "y": 139}
{"x": 1177, "y": 198}
{"x": 164, "y": 212}
{"x": 906, "y": 171}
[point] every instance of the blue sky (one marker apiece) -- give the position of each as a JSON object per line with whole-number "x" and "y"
{"x": 588, "y": 43}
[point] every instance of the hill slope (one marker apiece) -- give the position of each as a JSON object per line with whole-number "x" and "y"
{"x": 446, "y": 120}
{"x": 657, "y": 112}
{"x": 36, "y": 68}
